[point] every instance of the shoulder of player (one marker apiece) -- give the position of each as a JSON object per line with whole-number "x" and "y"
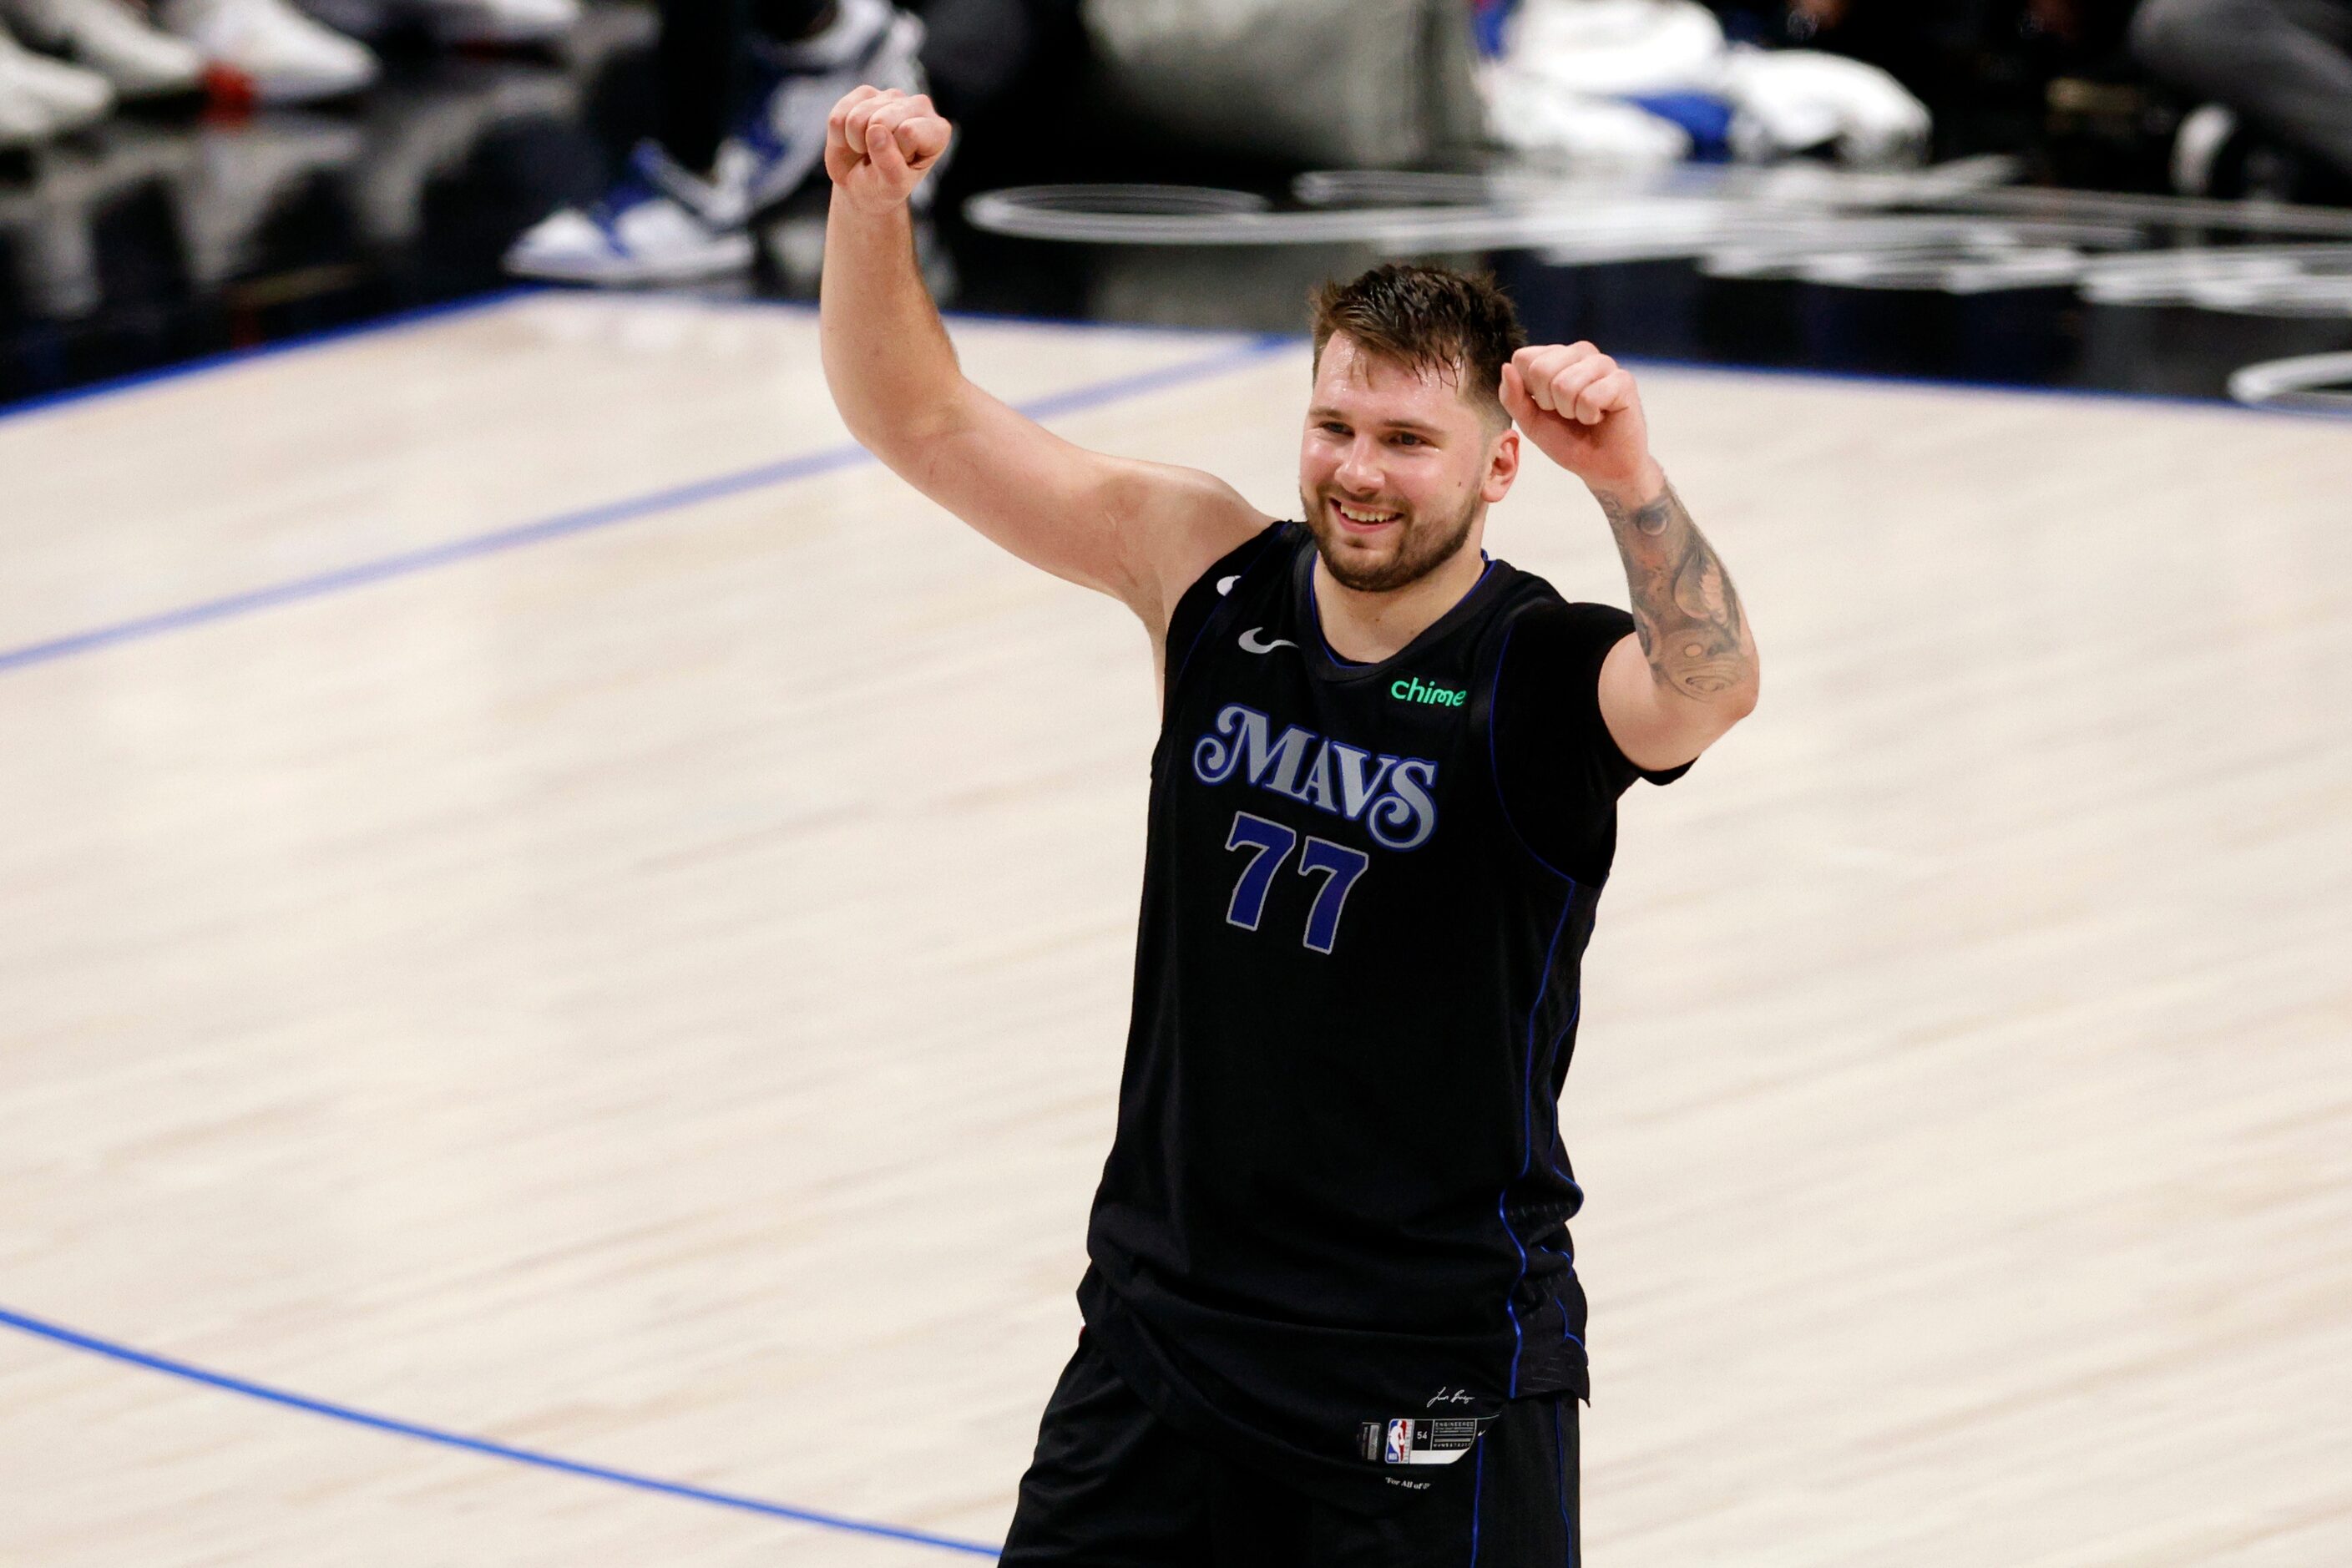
{"x": 1190, "y": 523}
{"x": 1544, "y": 636}
{"x": 1266, "y": 550}
{"x": 1534, "y": 604}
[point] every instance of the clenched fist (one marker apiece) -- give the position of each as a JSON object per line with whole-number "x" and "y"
{"x": 879, "y": 143}
{"x": 1582, "y": 411}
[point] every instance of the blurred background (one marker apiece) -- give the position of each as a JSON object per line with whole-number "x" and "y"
{"x": 2134, "y": 194}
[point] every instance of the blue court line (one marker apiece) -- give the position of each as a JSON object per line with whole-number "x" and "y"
{"x": 293, "y": 342}
{"x": 397, "y": 321}
{"x": 59, "y": 1334}
{"x": 630, "y": 509}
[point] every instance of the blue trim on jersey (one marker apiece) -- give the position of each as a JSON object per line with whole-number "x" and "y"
{"x": 1575, "y": 1011}
{"x": 1526, "y": 1134}
{"x": 1477, "y": 1486}
{"x": 1558, "y": 1143}
{"x": 1518, "y": 1340}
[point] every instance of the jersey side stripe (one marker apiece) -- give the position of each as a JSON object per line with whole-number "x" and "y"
{"x": 1527, "y": 1135}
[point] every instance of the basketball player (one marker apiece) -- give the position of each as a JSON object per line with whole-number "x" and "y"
{"x": 1331, "y": 1316}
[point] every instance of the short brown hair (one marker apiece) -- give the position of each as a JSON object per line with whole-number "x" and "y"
{"x": 1458, "y": 324}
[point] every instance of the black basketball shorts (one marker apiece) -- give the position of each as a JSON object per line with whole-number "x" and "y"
{"x": 1113, "y": 1486}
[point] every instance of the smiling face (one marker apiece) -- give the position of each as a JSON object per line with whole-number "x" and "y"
{"x": 1396, "y": 467}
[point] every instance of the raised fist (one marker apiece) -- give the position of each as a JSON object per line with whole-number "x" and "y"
{"x": 879, "y": 143}
{"x": 1582, "y": 410}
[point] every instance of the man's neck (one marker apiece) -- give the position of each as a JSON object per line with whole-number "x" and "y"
{"x": 1369, "y": 627}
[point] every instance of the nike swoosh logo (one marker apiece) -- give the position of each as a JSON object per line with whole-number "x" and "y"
{"x": 1225, "y": 584}
{"x": 1253, "y": 643}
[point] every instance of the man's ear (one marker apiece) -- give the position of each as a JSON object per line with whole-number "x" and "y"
{"x": 1502, "y": 467}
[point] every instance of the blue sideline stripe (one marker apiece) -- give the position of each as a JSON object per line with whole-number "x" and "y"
{"x": 294, "y": 343}
{"x": 61, "y": 1335}
{"x": 628, "y": 509}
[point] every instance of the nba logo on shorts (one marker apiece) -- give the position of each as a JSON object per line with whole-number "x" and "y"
{"x": 1399, "y": 1449}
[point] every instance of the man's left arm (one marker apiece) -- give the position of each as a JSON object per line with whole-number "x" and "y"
{"x": 1690, "y": 671}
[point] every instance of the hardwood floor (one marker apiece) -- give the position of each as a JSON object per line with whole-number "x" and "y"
{"x": 552, "y": 901}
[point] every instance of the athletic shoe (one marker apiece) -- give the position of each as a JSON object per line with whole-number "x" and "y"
{"x": 454, "y": 21}
{"x": 42, "y": 99}
{"x": 659, "y": 225}
{"x": 663, "y": 225}
{"x": 271, "y": 52}
{"x": 112, "y": 38}
{"x": 868, "y": 42}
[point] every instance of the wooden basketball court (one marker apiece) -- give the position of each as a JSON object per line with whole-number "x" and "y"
{"x": 566, "y": 944}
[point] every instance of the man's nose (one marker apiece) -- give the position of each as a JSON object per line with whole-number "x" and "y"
{"x": 1359, "y": 469}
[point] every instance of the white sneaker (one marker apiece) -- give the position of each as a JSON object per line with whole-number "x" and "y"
{"x": 869, "y": 42}
{"x": 280, "y": 54}
{"x": 455, "y": 21}
{"x": 112, "y": 38}
{"x": 658, "y": 224}
{"x": 41, "y": 98}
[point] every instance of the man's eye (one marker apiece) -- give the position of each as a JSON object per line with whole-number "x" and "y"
{"x": 1334, "y": 428}
{"x": 1405, "y": 438}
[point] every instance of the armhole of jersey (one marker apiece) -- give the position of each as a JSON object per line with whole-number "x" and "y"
{"x": 1491, "y": 691}
{"x": 1201, "y": 606}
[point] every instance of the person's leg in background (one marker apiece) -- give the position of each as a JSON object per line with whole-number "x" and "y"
{"x": 744, "y": 88}
{"x": 804, "y": 55}
{"x": 669, "y": 216}
{"x": 2284, "y": 65}
{"x": 700, "y": 48}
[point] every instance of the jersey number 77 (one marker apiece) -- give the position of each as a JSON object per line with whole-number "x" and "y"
{"x": 1269, "y": 844}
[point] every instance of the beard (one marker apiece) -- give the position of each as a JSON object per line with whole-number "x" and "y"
{"x": 1421, "y": 546}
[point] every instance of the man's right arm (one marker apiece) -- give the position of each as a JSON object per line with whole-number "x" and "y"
{"x": 1142, "y": 532}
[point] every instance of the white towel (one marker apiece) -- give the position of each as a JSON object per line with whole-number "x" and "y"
{"x": 1552, "y": 124}
{"x": 1565, "y": 63}
{"x": 1792, "y": 101}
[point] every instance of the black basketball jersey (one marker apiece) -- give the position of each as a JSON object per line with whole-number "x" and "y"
{"x": 1331, "y": 1234}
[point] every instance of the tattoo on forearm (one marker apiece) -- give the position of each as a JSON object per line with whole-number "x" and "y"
{"x": 1685, "y": 608}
